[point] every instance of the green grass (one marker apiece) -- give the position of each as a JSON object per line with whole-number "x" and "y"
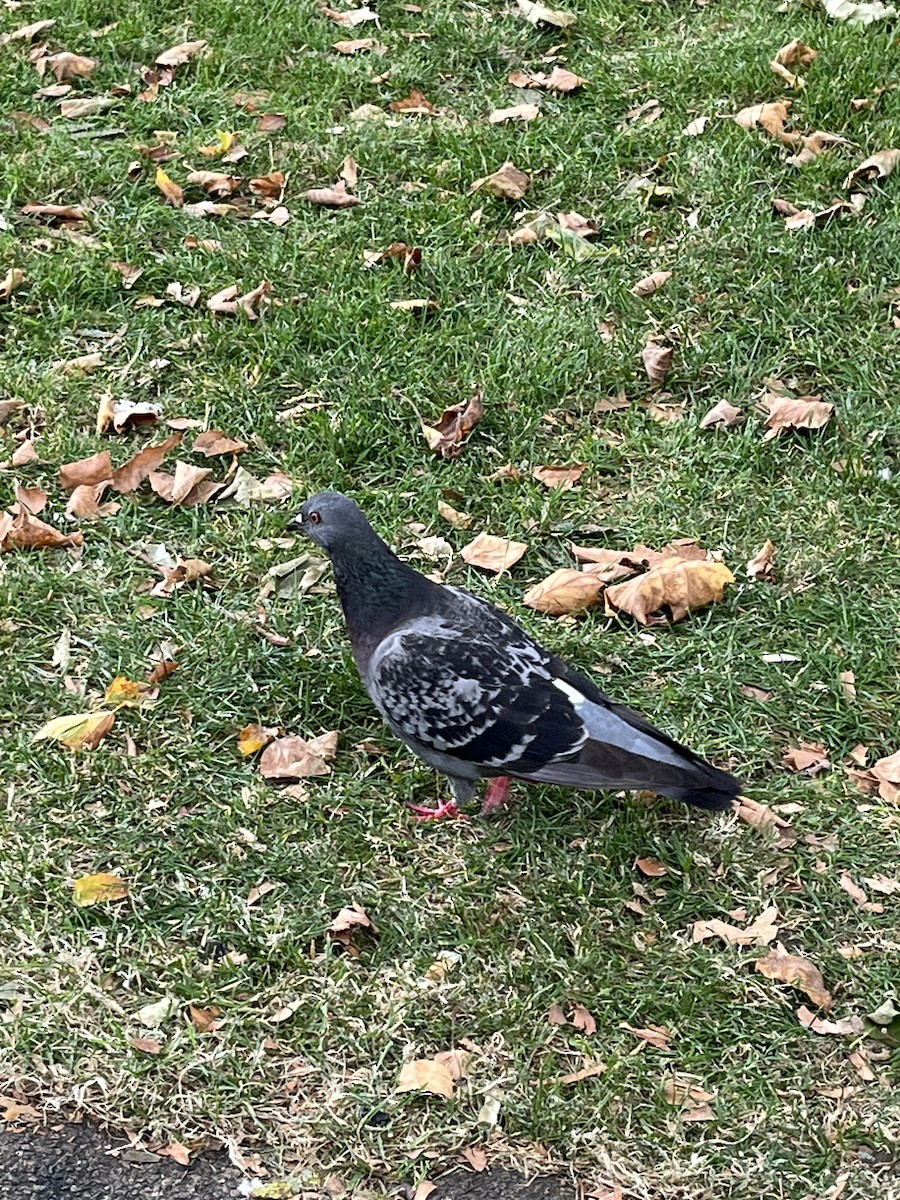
{"x": 534, "y": 903}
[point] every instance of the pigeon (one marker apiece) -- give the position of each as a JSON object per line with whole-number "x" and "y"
{"x": 476, "y": 697}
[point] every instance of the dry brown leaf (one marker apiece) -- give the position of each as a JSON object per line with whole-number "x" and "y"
{"x": 172, "y": 191}
{"x": 847, "y": 1027}
{"x": 421, "y": 305}
{"x": 55, "y": 212}
{"x": 651, "y": 283}
{"x": 245, "y": 489}
{"x": 410, "y": 257}
{"x": 27, "y": 33}
{"x": 215, "y": 183}
{"x": 722, "y": 416}
{"x": 684, "y": 1092}
{"x": 267, "y": 123}
{"x": 646, "y": 113}
{"x": 606, "y": 565}
{"x": 794, "y": 412}
{"x": 516, "y": 112}
{"x": 475, "y": 1157}
{"x": 332, "y": 197}
{"x": 878, "y": 166}
{"x": 583, "y": 1020}
{"x": 22, "y": 531}
{"x": 133, "y": 473}
{"x": 205, "y": 1020}
{"x": 758, "y": 933}
{"x": 811, "y": 758}
{"x": 656, "y": 1036}
{"x": 770, "y": 117}
{"x": 448, "y": 434}
{"x": 255, "y": 737}
{"x": 175, "y": 56}
{"x": 271, "y": 186}
{"x": 813, "y": 145}
{"x": 32, "y": 499}
{"x": 848, "y": 685}
{"x": 297, "y": 758}
{"x": 507, "y": 183}
{"x": 657, "y": 362}
{"x": 760, "y": 816}
{"x": 762, "y": 565}
{"x": 214, "y": 442}
{"x": 858, "y": 894}
{"x": 184, "y": 486}
{"x": 539, "y": 14}
{"x": 348, "y": 921}
{"x": 11, "y": 282}
{"x": 415, "y": 104}
{"x": 230, "y": 302}
{"x": 351, "y": 18}
{"x": 561, "y": 478}
{"x": 68, "y": 66}
{"x": 425, "y": 1075}
{"x": 120, "y": 415}
{"x": 91, "y": 107}
{"x": 696, "y": 127}
{"x": 676, "y": 584}
{"x": 459, "y": 520}
{"x": 565, "y": 591}
{"x": 358, "y": 46}
{"x": 859, "y": 1062}
{"x": 556, "y": 1016}
{"x": 796, "y": 54}
{"x": 187, "y": 570}
{"x": 559, "y": 80}
{"x": 591, "y": 1068}
{"x": 796, "y": 972}
{"x": 887, "y": 772}
{"x": 652, "y": 867}
{"x": 493, "y": 553}
{"x": 130, "y": 273}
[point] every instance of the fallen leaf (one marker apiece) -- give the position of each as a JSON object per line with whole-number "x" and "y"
{"x": 410, "y": 257}
{"x": 68, "y": 66}
{"x": 297, "y": 758}
{"x": 32, "y": 499}
{"x": 130, "y": 273}
{"x": 582, "y": 1019}
{"x": 348, "y": 922}
{"x": 811, "y": 758}
{"x": 559, "y": 80}
{"x": 27, "y": 33}
{"x": 565, "y": 591}
{"x": 214, "y": 442}
{"x": 11, "y": 282}
{"x": 187, "y": 487}
{"x": 656, "y": 1036}
{"x": 271, "y": 186}
{"x": 351, "y": 18}
{"x": 559, "y": 478}
{"x": 771, "y": 118}
{"x": 591, "y": 1068}
{"x": 762, "y": 565}
{"x": 120, "y": 415}
{"x": 696, "y": 127}
{"x": 845, "y": 1028}
{"x": 152, "y": 1015}
{"x": 852, "y": 888}
{"x": 91, "y": 107}
{"x": 358, "y": 46}
{"x": 651, "y": 283}
{"x": 652, "y": 867}
{"x": 205, "y": 1020}
{"x": 25, "y": 532}
{"x": 229, "y": 301}
{"x": 125, "y": 692}
{"x": 516, "y": 112}
{"x": 420, "y": 305}
{"x": 425, "y": 1075}
{"x": 877, "y": 166}
{"x": 415, "y": 104}
{"x": 678, "y": 584}
{"x": 475, "y": 1157}
{"x": 448, "y": 434}
{"x": 539, "y": 14}
{"x": 245, "y": 489}
{"x": 255, "y": 737}
{"x": 758, "y": 933}
{"x": 493, "y": 553}
{"x": 756, "y": 693}
{"x": 657, "y": 362}
{"x": 172, "y": 191}
{"x": 887, "y": 772}
{"x": 79, "y": 731}
{"x": 793, "y": 412}
{"x": 722, "y": 416}
{"x": 54, "y": 212}
{"x": 507, "y": 183}
{"x": 684, "y": 1092}
{"x": 98, "y": 889}
{"x": 796, "y": 972}
{"x": 556, "y": 1016}
{"x": 132, "y": 474}
{"x": 646, "y": 113}
{"x": 332, "y": 197}
{"x": 215, "y": 183}
{"x": 175, "y": 56}
{"x": 187, "y": 295}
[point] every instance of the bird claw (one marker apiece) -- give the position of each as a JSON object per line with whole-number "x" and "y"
{"x": 495, "y": 795}
{"x": 446, "y": 811}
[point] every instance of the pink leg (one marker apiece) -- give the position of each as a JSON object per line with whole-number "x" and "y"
{"x": 447, "y": 810}
{"x": 495, "y": 795}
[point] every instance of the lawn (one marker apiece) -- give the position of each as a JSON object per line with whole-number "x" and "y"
{"x": 543, "y": 905}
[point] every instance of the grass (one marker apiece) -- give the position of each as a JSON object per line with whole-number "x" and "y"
{"x": 535, "y": 903}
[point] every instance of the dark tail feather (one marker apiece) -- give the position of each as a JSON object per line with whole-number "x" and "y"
{"x": 717, "y": 798}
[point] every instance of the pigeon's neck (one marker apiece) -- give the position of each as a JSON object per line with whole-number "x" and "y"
{"x": 377, "y": 591}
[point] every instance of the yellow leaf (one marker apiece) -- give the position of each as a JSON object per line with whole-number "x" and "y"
{"x": 677, "y": 584}
{"x": 254, "y": 737}
{"x": 78, "y": 731}
{"x": 125, "y": 691}
{"x": 95, "y": 889}
{"x": 172, "y": 191}
{"x": 565, "y": 591}
{"x": 425, "y": 1075}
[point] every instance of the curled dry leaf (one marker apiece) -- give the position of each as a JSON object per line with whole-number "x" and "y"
{"x": 297, "y": 758}
{"x": 27, "y": 33}
{"x": 493, "y": 553}
{"x": 188, "y": 487}
{"x": 215, "y": 183}
{"x": 95, "y": 469}
{"x": 245, "y": 489}
{"x": 410, "y": 257}
{"x": 475, "y": 1157}
{"x": 583, "y": 1020}
{"x": 359, "y": 46}
{"x": 770, "y": 117}
{"x": 676, "y": 584}
{"x": 559, "y": 478}
{"x": 22, "y": 531}
{"x": 559, "y": 80}
{"x": 188, "y": 294}
{"x": 214, "y": 442}
{"x": 657, "y": 362}
{"x": 32, "y": 499}
{"x": 848, "y": 1027}
{"x": 24, "y": 454}
{"x": 651, "y": 283}
{"x": 133, "y": 473}
{"x": 229, "y": 300}
{"x": 351, "y": 18}
{"x": 507, "y": 183}
{"x": 270, "y": 187}
{"x": 797, "y": 972}
{"x": 762, "y": 565}
{"x": 651, "y": 867}
{"x": 516, "y": 112}
{"x": 130, "y": 273}
{"x": 810, "y": 758}
{"x": 539, "y": 14}
{"x": 11, "y": 282}
{"x": 814, "y": 145}
{"x": 186, "y": 570}
{"x": 79, "y": 731}
{"x": 175, "y": 56}
{"x": 722, "y": 416}
{"x": 332, "y": 197}
{"x": 74, "y": 110}
{"x": 794, "y": 412}
{"x": 656, "y": 1036}
{"x": 591, "y": 1068}
{"x": 565, "y": 591}
{"x": 426, "y": 1075}
{"x": 54, "y": 212}
{"x": 684, "y": 1092}
{"x": 255, "y": 737}
{"x": 758, "y": 933}
{"x": 413, "y": 105}
{"x": 67, "y": 66}
{"x": 878, "y": 166}
{"x": 172, "y": 191}
{"x": 696, "y": 127}
{"x": 887, "y": 772}
{"x": 348, "y": 922}
{"x": 447, "y": 436}
{"x": 120, "y": 415}
{"x": 98, "y": 889}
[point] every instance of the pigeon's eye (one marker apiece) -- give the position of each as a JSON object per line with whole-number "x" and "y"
{"x": 315, "y": 518}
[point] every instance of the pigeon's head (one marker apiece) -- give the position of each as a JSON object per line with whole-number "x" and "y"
{"x": 332, "y": 521}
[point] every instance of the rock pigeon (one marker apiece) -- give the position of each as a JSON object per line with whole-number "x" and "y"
{"x": 473, "y": 695}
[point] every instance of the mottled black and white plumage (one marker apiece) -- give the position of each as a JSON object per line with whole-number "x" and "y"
{"x": 474, "y": 695}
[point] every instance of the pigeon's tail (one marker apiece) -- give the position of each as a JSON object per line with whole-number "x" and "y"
{"x": 715, "y": 790}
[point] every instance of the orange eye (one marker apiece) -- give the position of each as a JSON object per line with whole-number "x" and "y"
{"x": 315, "y": 518}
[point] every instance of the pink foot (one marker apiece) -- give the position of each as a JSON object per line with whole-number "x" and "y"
{"x": 495, "y": 795}
{"x": 446, "y": 811}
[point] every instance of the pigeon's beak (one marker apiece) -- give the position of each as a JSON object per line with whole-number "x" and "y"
{"x": 296, "y": 523}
